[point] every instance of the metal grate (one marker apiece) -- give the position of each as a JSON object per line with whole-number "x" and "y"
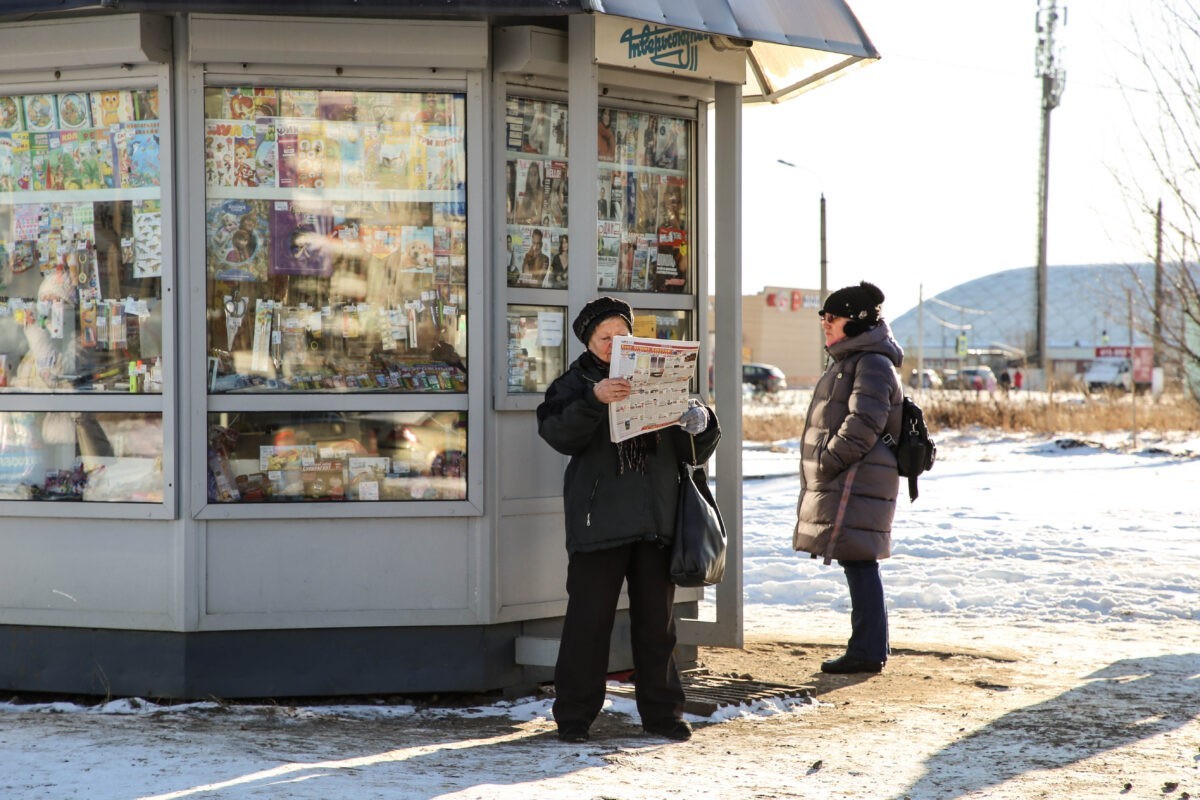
{"x": 707, "y": 692}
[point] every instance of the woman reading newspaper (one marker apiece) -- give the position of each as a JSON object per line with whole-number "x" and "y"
{"x": 619, "y": 501}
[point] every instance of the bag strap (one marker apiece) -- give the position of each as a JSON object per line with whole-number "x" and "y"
{"x": 841, "y": 512}
{"x": 692, "y": 438}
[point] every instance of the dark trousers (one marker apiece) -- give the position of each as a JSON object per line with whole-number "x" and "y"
{"x": 868, "y": 615}
{"x": 593, "y": 587}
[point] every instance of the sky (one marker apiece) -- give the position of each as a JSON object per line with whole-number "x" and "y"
{"x": 928, "y": 158}
{"x": 988, "y": 556}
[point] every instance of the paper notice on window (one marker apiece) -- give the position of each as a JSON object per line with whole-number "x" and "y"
{"x": 660, "y": 371}
{"x": 550, "y": 329}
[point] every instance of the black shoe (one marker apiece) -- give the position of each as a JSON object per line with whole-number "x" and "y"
{"x": 848, "y": 664}
{"x": 677, "y": 730}
{"x": 574, "y": 734}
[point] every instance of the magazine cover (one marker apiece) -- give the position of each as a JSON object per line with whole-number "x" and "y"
{"x": 300, "y": 240}
{"x": 147, "y": 238}
{"x": 239, "y": 101}
{"x": 41, "y": 112}
{"x": 628, "y": 136}
{"x": 218, "y": 153}
{"x": 558, "y": 130}
{"x": 554, "y": 204}
{"x": 140, "y": 165}
{"x": 266, "y": 102}
{"x": 67, "y": 160}
{"x": 11, "y": 117}
{"x": 74, "y": 110}
{"x": 111, "y": 108}
{"x": 238, "y": 233}
{"x": 530, "y": 192}
{"x": 644, "y": 191}
{"x": 514, "y": 124}
{"x": 609, "y": 248}
{"x": 535, "y": 132}
{"x": 671, "y": 144}
{"x": 391, "y": 169}
{"x": 335, "y": 105}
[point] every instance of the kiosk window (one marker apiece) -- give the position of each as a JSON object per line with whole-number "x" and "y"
{"x": 537, "y": 350}
{"x": 536, "y": 253}
{"x": 335, "y": 228}
{"x": 328, "y": 456}
{"x": 81, "y": 255}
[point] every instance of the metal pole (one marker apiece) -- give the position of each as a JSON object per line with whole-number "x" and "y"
{"x": 921, "y": 336}
{"x": 824, "y": 259}
{"x": 1132, "y": 382}
{"x": 1158, "y": 286}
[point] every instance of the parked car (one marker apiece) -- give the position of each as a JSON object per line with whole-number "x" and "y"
{"x": 977, "y": 378}
{"x": 765, "y": 378}
{"x": 929, "y": 379}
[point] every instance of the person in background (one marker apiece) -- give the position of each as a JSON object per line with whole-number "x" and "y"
{"x": 848, "y": 477}
{"x": 619, "y": 502}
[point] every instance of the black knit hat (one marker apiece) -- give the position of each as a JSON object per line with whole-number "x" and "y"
{"x": 859, "y": 304}
{"x": 596, "y": 312}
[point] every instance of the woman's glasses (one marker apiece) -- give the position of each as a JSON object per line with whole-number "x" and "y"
{"x": 826, "y": 316}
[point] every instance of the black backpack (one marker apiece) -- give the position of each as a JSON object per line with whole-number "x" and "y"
{"x": 915, "y": 451}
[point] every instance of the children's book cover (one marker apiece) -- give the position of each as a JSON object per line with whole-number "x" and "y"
{"x": 39, "y": 157}
{"x": 310, "y": 155}
{"x": 41, "y": 112}
{"x": 74, "y": 110}
{"x": 444, "y": 157}
{"x": 7, "y": 179}
{"x": 240, "y": 101}
{"x": 245, "y": 152}
{"x": 145, "y": 104}
{"x": 299, "y": 103}
{"x": 94, "y": 149}
{"x": 335, "y": 105}
{"x": 266, "y": 102}
{"x": 218, "y": 153}
{"x": 238, "y": 233}
{"x": 147, "y": 238}
{"x": 11, "y": 117}
{"x": 416, "y": 247}
{"x": 111, "y": 108}
{"x": 266, "y": 152}
{"x": 68, "y": 160}
{"x": 391, "y": 170}
{"x": 142, "y": 165}
{"x": 300, "y": 240}
{"x": 287, "y": 153}
{"x": 22, "y": 168}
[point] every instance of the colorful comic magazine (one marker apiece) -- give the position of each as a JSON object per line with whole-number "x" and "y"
{"x": 238, "y": 234}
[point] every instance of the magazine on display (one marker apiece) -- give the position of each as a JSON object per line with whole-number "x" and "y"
{"x": 660, "y": 371}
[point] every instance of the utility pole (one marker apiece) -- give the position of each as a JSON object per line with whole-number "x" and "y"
{"x": 1158, "y": 286}
{"x": 824, "y": 260}
{"x": 1054, "y": 80}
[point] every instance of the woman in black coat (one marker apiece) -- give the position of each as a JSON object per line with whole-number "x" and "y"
{"x": 848, "y": 476}
{"x": 619, "y": 502}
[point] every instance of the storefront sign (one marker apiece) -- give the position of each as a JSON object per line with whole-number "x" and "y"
{"x": 634, "y": 44}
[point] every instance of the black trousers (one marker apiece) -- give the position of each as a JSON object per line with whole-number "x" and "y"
{"x": 868, "y": 614}
{"x": 593, "y": 587}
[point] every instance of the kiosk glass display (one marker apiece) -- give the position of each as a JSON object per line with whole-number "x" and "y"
{"x": 335, "y": 227}
{"x": 81, "y": 256}
{"x": 330, "y": 456}
{"x": 537, "y": 347}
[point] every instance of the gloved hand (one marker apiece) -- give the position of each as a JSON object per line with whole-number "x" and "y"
{"x": 695, "y": 419}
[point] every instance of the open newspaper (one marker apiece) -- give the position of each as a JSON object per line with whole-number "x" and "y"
{"x": 660, "y": 371}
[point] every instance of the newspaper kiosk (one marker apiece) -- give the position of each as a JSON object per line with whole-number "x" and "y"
{"x": 280, "y": 286}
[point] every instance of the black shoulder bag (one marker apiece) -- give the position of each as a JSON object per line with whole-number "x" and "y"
{"x": 698, "y": 552}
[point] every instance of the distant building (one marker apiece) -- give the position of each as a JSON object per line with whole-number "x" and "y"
{"x": 992, "y": 320}
{"x": 779, "y": 327}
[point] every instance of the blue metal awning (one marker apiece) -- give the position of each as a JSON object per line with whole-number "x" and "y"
{"x": 791, "y": 45}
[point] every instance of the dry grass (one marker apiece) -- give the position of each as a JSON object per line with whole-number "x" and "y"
{"x": 1029, "y": 412}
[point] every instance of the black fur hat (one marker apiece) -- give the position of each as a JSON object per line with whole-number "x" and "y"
{"x": 596, "y": 312}
{"x": 859, "y": 304}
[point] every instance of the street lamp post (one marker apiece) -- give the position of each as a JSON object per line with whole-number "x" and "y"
{"x": 824, "y": 255}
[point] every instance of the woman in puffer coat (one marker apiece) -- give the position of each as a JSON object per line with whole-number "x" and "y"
{"x": 619, "y": 501}
{"x": 848, "y": 477}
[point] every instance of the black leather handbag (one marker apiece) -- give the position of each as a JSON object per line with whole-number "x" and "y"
{"x": 698, "y": 552}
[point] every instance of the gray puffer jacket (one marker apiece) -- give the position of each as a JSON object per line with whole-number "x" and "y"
{"x": 848, "y": 478}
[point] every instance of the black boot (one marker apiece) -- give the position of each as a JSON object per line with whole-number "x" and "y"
{"x": 847, "y": 665}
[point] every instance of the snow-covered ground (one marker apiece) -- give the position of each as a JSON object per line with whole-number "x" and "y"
{"x": 1014, "y": 538}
